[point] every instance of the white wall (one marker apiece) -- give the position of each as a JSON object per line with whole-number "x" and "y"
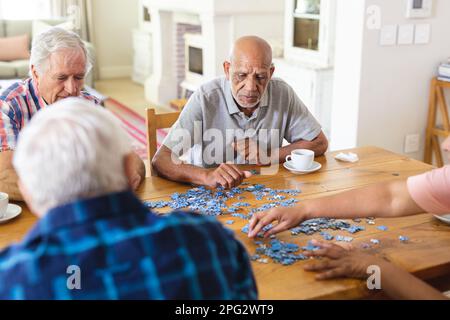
{"x": 347, "y": 74}
{"x": 114, "y": 21}
{"x": 393, "y": 86}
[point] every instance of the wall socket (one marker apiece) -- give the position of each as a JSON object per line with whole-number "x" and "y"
{"x": 412, "y": 142}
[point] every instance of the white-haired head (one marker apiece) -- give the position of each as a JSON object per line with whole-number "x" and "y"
{"x": 71, "y": 150}
{"x": 51, "y": 41}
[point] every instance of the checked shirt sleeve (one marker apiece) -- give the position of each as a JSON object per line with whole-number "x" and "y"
{"x": 9, "y": 128}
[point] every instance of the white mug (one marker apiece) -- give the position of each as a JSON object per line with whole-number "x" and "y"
{"x": 302, "y": 159}
{"x": 4, "y": 199}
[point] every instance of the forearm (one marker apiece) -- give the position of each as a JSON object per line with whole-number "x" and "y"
{"x": 165, "y": 167}
{"x": 8, "y": 184}
{"x": 388, "y": 199}
{"x": 183, "y": 173}
{"x": 399, "y": 284}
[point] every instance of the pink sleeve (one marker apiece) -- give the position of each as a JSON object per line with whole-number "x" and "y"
{"x": 431, "y": 190}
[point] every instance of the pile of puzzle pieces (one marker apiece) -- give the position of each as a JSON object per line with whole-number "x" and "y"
{"x": 278, "y": 251}
{"x": 213, "y": 203}
{"x": 284, "y": 253}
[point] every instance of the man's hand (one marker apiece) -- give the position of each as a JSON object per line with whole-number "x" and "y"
{"x": 341, "y": 262}
{"x": 248, "y": 149}
{"x": 287, "y": 218}
{"x": 226, "y": 175}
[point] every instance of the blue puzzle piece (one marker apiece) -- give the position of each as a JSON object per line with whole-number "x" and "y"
{"x": 326, "y": 235}
{"x": 310, "y": 247}
{"x": 241, "y": 204}
{"x": 255, "y": 257}
{"x": 354, "y": 229}
{"x": 343, "y": 238}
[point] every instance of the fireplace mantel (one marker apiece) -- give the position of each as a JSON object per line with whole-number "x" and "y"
{"x": 227, "y": 7}
{"x": 221, "y": 22}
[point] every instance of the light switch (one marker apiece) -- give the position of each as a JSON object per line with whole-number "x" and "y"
{"x": 423, "y": 32}
{"x": 406, "y": 34}
{"x": 388, "y": 35}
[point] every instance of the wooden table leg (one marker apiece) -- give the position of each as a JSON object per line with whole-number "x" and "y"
{"x": 428, "y": 157}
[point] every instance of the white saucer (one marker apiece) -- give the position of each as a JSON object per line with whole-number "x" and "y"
{"x": 12, "y": 211}
{"x": 444, "y": 218}
{"x": 314, "y": 167}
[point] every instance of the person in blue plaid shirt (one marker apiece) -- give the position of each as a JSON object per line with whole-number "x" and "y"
{"x": 95, "y": 239}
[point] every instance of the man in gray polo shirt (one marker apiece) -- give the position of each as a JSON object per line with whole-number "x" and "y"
{"x": 229, "y": 120}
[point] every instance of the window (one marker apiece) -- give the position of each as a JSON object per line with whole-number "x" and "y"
{"x": 309, "y": 31}
{"x": 146, "y": 13}
{"x": 306, "y": 24}
{"x": 25, "y": 9}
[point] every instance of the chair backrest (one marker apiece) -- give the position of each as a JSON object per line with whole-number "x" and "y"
{"x": 155, "y": 122}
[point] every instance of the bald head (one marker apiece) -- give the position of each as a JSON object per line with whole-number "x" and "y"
{"x": 251, "y": 48}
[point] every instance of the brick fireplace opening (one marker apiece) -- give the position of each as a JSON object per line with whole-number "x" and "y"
{"x": 212, "y": 26}
{"x": 182, "y": 64}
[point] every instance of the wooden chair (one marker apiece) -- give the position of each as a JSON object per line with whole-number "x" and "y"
{"x": 437, "y": 104}
{"x": 155, "y": 122}
{"x": 178, "y": 104}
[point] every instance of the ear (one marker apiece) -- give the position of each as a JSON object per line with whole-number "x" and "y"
{"x": 226, "y": 69}
{"x": 28, "y": 199}
{"x": 272, "y": 70}
{"x": 34, "y": 74}
{"x": 127, "y": 165}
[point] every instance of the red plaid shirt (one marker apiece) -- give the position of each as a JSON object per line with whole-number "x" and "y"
{"x": 18, "y": 104}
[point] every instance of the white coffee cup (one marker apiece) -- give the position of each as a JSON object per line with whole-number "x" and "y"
{"x": 301, "y": 159}
{"x": 4, "y": 200}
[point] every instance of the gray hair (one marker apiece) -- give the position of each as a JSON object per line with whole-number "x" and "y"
{"x": 71, "y": 150}
{"x": 51, "y": 41}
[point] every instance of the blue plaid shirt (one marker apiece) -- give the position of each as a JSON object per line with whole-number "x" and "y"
{"x": 123, "y": 251}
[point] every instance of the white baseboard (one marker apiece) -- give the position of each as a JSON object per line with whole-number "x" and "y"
{"x": 115, "y": 72}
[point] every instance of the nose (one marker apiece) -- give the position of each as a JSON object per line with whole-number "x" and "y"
{"x": 250, "y": 85}
{"x": 71, "y": 86}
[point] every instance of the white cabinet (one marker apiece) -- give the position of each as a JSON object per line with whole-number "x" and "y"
{"x": 309, "y": 31}
{"x": 312, "y": 84}
{"x": 307, "y": 65}
{"x": 142, "y": 55}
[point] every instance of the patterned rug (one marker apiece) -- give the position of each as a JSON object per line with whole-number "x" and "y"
{"x": 134, "y": 124}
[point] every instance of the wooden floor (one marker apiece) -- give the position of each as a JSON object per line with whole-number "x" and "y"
{"x": 128, "y": 93}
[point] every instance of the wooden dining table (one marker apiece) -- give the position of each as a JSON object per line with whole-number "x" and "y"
{"x": 426, "y": 254}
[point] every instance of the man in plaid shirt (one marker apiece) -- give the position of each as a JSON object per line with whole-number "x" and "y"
{"x": 95, "y": 239}
{"x": 58, "y": 64}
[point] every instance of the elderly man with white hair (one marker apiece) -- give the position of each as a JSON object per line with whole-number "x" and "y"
{"x": 95, "y": 239}
{"x": 58, "y": 64}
